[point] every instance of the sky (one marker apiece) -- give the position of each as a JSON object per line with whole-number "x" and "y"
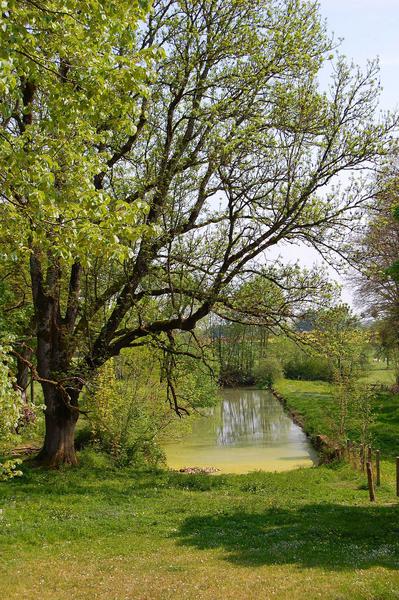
{"x": 370, "y": 29}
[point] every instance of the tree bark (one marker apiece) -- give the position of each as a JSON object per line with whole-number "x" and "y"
{"x": 59, "y": 442}
{"x": 54, "y": 358}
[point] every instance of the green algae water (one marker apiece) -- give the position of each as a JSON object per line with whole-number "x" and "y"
{"x": 247, "y": 431}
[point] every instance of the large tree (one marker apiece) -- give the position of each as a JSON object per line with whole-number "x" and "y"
{"x": 72, "y": 82}
{"x": 144, "y": 205}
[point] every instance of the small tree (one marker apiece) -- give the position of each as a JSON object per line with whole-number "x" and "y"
{"x": 340, "y": 339}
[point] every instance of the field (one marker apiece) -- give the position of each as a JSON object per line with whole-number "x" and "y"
{"x": 96, "y": 532}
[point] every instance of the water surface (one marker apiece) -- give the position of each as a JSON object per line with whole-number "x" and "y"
{"x": 248, "y": 430}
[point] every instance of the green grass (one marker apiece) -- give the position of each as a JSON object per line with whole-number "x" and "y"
{"x": 378, "y": 374}
{"x": 385, "y": 429}
{"x": 313, "y": 401}
{"x": 97, "y": 532}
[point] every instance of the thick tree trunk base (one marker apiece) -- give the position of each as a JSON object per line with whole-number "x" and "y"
{"x": 54, "y": 461}
{"x": 59, "y": 444}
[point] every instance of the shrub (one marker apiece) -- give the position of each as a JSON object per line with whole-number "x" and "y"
{"x": 10, "y": 399}
{"x": 125, "y": 415}
{"x": 128, "y": 405}
{"x": 308, "y": 368}
{"x": 9, "y": 469}
{"x": 268, "y": 371}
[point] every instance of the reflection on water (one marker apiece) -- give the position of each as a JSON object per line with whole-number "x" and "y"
{"x": 247, "y": 430}
{"x": 251, "y": 417}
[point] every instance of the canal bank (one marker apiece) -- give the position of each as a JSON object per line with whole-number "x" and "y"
{"x": 327, "y": 449}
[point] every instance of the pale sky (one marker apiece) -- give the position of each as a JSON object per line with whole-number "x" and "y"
{"x": 370, "y": 29}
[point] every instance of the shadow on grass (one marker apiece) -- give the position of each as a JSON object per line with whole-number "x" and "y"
{"x": 113, "y": 482}
{"x": 328, "y": 536}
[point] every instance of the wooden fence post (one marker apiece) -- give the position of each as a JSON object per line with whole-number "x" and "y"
{"x": 378, "y": 467}
{"x": 369, "y": 454}
{"x": 370, "y": 481}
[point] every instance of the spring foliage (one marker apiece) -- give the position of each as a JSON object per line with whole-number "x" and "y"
{"x": 10, "y": 399}
{"x": 128, "y": 410}
{"x": 66, "y": 91}
{"x": 10, "y": 410}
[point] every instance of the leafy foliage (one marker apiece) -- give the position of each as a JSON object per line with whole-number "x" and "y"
{"x": 338, "y": 336}
{"x": 10, "y": 410}
{"x": 10, "y": 400}
{"x": 309, "y": 368}
{"x": 65, "y": 93}
{"x": 268, "y": 371}
{"x": 10, "y": 469}
{"x": 128, "y": 410}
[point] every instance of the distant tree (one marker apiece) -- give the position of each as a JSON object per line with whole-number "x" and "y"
{"x": 339, "y": 336}
{"x": 143, "y": 204}
{"x": 376, "y": 257}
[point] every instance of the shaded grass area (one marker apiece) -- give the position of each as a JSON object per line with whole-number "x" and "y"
{"x": 314, "y": 403}
{"x": 97, "y": 532}
{"x": 315, "y": 535}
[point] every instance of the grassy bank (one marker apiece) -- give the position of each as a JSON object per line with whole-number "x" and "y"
{"x": 95, "y": 532}
{"x": 316, "y": 409}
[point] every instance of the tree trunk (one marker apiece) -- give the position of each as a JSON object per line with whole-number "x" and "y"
{"x": 54, "y": 354}
{"x": 59, "y": 442}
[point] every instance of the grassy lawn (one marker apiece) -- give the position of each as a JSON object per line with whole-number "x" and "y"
{"x": 95, "y": 532}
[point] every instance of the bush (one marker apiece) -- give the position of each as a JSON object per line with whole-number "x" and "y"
{"x": 9, "y": 469}
{"x": 128, "y": 408}
{"x": 268, "y": 371}
{"x": 308, "y": 368}
{"x": 235, "y": 377}
{"x": 84, "y": 437}
{"x": 125, "y": 415}
{"x": 10, "y": 400}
